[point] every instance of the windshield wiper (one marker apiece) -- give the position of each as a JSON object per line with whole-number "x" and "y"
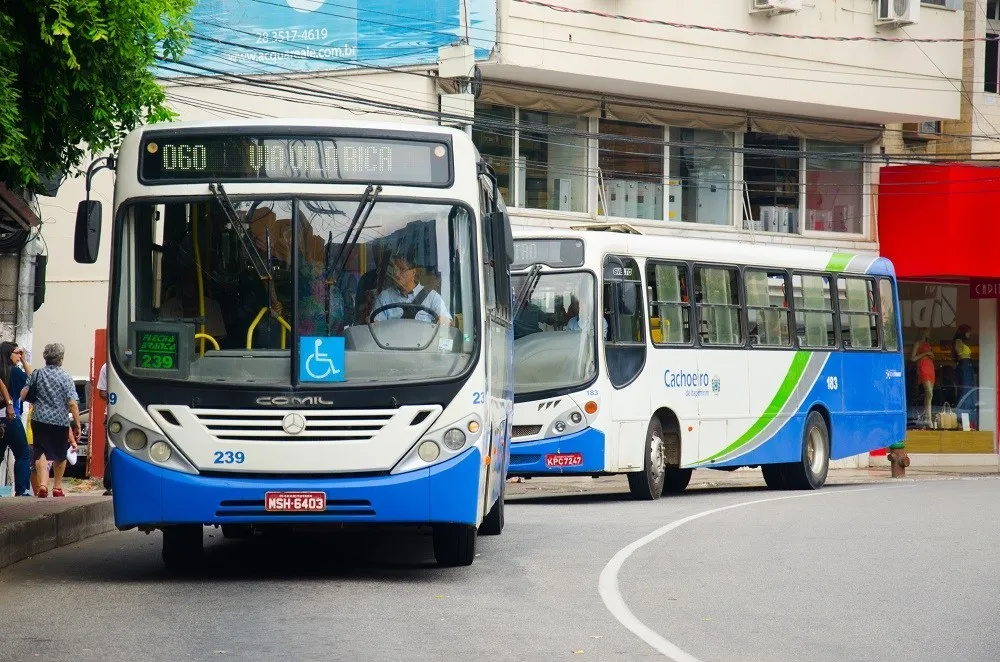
{"x": 527, "y": 287}
{"x": 333, "y": 271}
{"x": 246, "y": 241}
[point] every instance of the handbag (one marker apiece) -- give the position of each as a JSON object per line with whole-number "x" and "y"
{"x": 32, "y": 393}
{"x": 947, "y": 419}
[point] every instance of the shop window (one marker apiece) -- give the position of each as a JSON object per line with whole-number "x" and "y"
{"x": 767, "y": 308}
{"x": 700, "y": 187}
{"x": 717, "y": 294}
{"x": 771, "y": 183}
{"x": 494, "y": 138}
{"x": 858, "y": 313}
{"x": 835, "y": 180}
{"x": 890, "y": 332}
{"x": 814, "y": 316}
{"x": 553, "y": 161}
{"x": 669, "y": 304}
{"x": 945, "y": 360}
{"x": 632, "y": 169}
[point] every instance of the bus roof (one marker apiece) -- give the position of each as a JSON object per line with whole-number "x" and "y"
{"x": 727, "y": 251}
{"x": 302, "y": 122}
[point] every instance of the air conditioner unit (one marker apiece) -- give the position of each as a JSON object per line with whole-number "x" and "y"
{"x": 774, "y": 6}
{"x": 897, "y": 12}
{"x": 922, "y": 130}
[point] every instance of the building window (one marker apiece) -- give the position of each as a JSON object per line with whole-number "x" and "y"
{"x": 494, "y": 139}
{"x": 890, "y": 333}
{"x": 669, "y": 304}
{"x": 858, "y": 313}
{"x": 814, "y": 317}
{"x": 992, "y": 10}
{"x": 767, "y": 308}
{"x": 835, "y": 182}
{"x": 771, "y": 183}
{"x": 945, "y": 358}
{"x": 553, "y": 161}
{"x": 991, "y": 84}
{"x": 632, "y": 169}
{"x": 718, "y": 297}
{"x": 701, "y": 183}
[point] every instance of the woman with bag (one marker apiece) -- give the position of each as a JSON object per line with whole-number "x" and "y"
{"x": 53, "y": 395}
{"x": 12, "y": 380}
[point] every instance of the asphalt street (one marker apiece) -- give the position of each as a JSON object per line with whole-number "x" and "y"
{"x": 880, "y": 572}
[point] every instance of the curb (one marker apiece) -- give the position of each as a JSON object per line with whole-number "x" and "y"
{"x": 20, "y": 540}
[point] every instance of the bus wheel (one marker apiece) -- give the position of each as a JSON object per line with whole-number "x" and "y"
{"x": 647, "y": 484}
{"x": 182, "y": 546}
{"x": 492, "y": 524}
{"x": 676, "y": 481}
{"x": 774, "y": 476}
{"x": 454, "y": 544}
{"x": 810, "y": 472}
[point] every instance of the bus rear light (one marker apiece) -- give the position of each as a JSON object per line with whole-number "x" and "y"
{"x": 590, "y": 407}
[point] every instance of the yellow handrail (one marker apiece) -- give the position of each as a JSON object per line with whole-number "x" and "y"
{"x": 201, "y": 282}
{"x": 204, "y": 337}
{"x": 285, "y": 328}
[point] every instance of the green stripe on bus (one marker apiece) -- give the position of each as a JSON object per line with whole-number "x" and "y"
{"x": 839, "y": 261}
{"x": 779, "y": 400}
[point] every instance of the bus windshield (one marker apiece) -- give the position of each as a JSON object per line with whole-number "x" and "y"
{"x": 554, "y": 333}
{"x": 202, "y": 298}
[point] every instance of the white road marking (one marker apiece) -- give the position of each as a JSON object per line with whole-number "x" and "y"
{"x": 612, "y": 597}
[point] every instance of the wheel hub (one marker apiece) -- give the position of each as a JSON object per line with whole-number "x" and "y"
{"x": 656, "y": 452}
{"x": 815, "y": 451}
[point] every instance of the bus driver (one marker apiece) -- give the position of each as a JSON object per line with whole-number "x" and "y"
{"x": 405, "y": 289}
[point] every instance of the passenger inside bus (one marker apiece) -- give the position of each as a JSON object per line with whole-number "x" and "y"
{"x": 183, "y": 303}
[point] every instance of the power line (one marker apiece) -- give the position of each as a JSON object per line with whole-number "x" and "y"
{"x": 749, "y": 33}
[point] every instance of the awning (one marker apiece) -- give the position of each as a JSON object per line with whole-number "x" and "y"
{"x": 14, "y": 210}
{"x": 940, "y": 221}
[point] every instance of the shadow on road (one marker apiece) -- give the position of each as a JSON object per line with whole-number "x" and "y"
{"x": 568, "y": 498}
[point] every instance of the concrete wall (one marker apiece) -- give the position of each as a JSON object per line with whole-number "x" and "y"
{"x": 77, "y": 294}
{"x": 863, "y": 81}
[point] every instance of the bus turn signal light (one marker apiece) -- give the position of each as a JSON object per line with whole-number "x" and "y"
{"x": 590, "y": 407}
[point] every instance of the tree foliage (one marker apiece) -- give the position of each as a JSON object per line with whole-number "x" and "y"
{"x": 77, "y": 75}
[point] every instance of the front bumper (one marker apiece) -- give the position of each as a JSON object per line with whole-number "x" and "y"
{"x": 148, "y": 495}
{"x": 528, "y": 458}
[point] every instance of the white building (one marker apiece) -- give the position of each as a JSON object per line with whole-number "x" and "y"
{"x": 657, "y": 113}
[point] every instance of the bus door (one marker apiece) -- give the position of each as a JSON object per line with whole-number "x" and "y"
{"x": 623, "y": 327}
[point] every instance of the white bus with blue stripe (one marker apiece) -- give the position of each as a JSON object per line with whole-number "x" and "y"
{"x": 652, "y": 356}
{"x": 307, "y": 326}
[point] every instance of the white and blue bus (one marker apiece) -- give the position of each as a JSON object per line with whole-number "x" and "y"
{"x": 306, "y": 326}
{"x": 653, "y": 356}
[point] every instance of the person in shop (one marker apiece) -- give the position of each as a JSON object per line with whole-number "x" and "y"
{"x": 961, "y": 352}
{"x": 12, "y": 380}
{"x": 923, "y": 357}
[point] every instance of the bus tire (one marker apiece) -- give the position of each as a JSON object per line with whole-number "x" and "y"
{"x": 454, "y": 544}
{"x": 183, "y": 546}
{"x": 647, "y": 484}
{"x": 810, "y": 472}
{"x": 492, "y": 524}
{"x": 676, "y": 481}
{"x": 774, "y": 476}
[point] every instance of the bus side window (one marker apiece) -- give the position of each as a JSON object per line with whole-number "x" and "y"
{"x": 486, "y": 237}
{"x": 814, "y": 316}
{"x": 859, "y": 318}
{"x": 890, "y": 331}
{"x": 669, "y": 304}
{"x": 719, "y": 309}
{"x": 767, "y": 308}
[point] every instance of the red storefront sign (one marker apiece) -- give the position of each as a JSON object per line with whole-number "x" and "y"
{"x": 984, "y": 288}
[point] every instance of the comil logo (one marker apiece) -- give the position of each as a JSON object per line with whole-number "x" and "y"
{"x": 305, "y": 6}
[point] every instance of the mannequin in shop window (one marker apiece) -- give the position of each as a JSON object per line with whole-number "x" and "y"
{"x": 961, "y": 351}
{"x": 923, "y": 356}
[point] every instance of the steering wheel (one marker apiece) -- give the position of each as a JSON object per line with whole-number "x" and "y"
{"x": 405, "y": 306}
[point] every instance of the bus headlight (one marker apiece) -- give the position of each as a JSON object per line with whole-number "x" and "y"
{"x": 428, "y": 451}
{"x": 135, "y": 439}
{"x": 560, "y": 426}
{"x": 160, "y": 452}
{"x": 116, "y": 427}
{"x": 454, "y": 439}
{"x": 575, "y": 418}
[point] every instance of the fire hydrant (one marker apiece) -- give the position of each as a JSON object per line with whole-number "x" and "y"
{"x": 898, "y": 460}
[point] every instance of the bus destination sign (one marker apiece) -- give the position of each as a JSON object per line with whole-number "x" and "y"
{"x": 555, "y": 253}
{"x": 209, "y": 158}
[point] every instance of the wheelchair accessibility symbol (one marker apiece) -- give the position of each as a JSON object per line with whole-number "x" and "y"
{"x": 321, "y": 359}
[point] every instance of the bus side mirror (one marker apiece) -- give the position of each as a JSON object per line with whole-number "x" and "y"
{"x": 87, "y": 238}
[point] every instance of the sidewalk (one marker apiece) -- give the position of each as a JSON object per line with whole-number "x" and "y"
{"x": 30, "y": 526}
{"x": 708, "y": 479}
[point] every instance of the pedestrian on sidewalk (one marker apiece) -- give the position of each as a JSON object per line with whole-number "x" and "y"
{"x": 102, "y": 391}
{"x": 12, "y": 380}
{"x": 53, "y": 395}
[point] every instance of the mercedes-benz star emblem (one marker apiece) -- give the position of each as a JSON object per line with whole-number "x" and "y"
{"x": 293, "y": 423}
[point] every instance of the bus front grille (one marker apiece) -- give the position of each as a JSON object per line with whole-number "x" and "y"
{"x": 258, "y": 425}
{"x": 525, "y": 430}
